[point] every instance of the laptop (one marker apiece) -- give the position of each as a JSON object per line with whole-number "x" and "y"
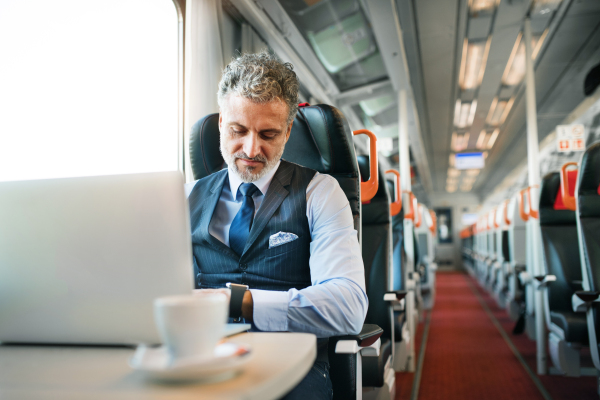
{"x": 82, "y": 259}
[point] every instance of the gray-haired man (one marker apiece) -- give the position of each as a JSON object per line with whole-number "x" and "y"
{"x": 283, "y": 230}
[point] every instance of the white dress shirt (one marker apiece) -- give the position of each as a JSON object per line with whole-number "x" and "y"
{"x": 336, "y": 303}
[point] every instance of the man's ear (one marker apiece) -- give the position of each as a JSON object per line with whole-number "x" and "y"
{"x": 220, "y": 121}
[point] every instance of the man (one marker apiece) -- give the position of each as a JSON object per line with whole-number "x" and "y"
{"x": 283, "y": 230}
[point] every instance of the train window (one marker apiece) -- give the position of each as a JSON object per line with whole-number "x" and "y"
{"x": 88, "y": 88}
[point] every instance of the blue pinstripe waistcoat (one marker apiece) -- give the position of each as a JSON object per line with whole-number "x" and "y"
{"x": 282, "y": 210}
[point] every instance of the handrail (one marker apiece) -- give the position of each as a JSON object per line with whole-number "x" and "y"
{"x": 532, "y": 213}
{"x": 419, "y": 221}
{"x": 411, "y": 205}
{"x": 524, "y": 216}
{"x": 433, "y": 227}
{"x": 369, "y": 188}
{"x": 568, "y": 200}
{"x": 495, "y": 218}
{"x": 505, "y": 211}
{"x": 396, "y": 206}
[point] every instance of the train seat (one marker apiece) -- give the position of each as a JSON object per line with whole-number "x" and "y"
{"x": 321, "y": 139}
{"x": 401, "y": 332}
{"x": 377, "y": 256}
{"x": 567, "y": 329}
{"x": 588, "y": 218}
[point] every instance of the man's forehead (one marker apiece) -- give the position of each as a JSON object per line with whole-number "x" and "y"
{"x": 238, "y": 108}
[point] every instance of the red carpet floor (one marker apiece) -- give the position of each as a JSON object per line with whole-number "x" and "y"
{"x": 558, "y": 387}
{"x": 467, "y": 358}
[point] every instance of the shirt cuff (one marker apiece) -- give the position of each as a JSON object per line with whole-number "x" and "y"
{"x": 270, "y": 310}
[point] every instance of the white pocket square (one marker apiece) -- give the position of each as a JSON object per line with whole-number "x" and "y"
{"x": 281, "y": 238}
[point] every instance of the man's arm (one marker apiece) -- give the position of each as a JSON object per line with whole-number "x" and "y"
{"x": 336, "y": 303}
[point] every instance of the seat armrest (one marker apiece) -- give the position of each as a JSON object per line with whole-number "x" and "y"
{"x": 582, "y": 300}
{"x": 396, "y": 295}
{"x": 525, "y": 278}
{"x": 396, "y": 298}
{"x": 544, "y": 280}
{"x": 520, "y": 268}
{"x": 352, "y": 344}
{"x": 367, "y": 336}
{"x": 587, "y": 296}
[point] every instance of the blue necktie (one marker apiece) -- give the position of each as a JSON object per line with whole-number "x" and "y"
{"x": 240, "y": 227}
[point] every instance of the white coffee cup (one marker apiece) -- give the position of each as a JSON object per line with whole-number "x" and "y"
{"x": 191, "y": 326}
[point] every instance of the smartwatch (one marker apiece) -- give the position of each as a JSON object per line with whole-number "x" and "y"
{"x": 236, "y": 299}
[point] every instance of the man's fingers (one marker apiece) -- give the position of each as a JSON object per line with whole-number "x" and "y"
{"x": 200, "y": 292}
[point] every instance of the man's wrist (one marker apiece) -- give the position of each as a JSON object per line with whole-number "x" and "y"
{"x": 248, "y": 306}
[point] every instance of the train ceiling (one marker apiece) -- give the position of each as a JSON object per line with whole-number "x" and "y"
{"x": 461, "y": 62}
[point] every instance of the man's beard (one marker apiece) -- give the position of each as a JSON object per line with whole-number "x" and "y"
{"x": 247, "y": 174}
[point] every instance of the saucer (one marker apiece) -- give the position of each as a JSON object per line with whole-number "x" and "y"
{"x": 227, "y": 359}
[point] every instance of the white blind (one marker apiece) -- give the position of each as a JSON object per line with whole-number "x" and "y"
{"x": 87, "y": 87}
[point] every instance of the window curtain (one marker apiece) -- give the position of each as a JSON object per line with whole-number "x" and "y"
{"x": 251, "y": 42}
{"x": 203, "y": 65}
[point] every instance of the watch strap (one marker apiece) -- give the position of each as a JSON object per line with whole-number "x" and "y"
{"x": 236, "y": 299}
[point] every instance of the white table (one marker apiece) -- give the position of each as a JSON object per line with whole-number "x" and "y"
{"x": 279, "y": 362}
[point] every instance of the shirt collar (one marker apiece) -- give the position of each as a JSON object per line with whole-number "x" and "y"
{"x": 262, "y": 184}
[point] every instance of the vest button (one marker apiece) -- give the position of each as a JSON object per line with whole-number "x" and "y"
{"x": 243, "y": 267}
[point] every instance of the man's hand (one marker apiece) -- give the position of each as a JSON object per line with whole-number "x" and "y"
{"x": 225, "y": 291}
{"x": 247, "y": 302}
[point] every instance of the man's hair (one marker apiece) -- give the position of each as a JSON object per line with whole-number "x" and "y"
{"x": 261, "y": 77}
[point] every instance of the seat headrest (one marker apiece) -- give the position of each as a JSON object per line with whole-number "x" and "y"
{"x": 549, "y": 215}
{"x": 321, "y": 139}
{"x": 588, "y": 189}
{"x": 205, "y": 156}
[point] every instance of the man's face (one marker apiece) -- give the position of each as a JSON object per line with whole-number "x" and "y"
{"x": 253, "y": 135}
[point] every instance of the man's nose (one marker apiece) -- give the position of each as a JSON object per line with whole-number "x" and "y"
{"x": 252, "y": 145}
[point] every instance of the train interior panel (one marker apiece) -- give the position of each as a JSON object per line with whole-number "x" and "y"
{"x": 300, "y": 199}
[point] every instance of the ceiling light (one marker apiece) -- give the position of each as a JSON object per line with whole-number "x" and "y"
{"x": 497, "y": 115}
{"x": 486, "y": 52}
{"x": 472, "y": 111}
{"x": 450, "y": 189}
{"x": 452, "y": 172}
{"x": 464, "y": 113}
{"x": 480, "y": 140}
{"x": 460, "y": 142}
{"x": 485, "y": 154}
{"x": 515, "y": 68}
{"x": 465, "y": 188}
{"x": 469, "y": 78}
{"x": 492, "y": 139}
{"x": 482, "y": 5}
{"x": 507, "y": 108}
{"x": 537, "y": 44}
{"x": 469, "y": 180}
{"x": 472, "y": 172}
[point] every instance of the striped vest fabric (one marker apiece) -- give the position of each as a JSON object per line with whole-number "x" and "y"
{"x": 283, "y": 210}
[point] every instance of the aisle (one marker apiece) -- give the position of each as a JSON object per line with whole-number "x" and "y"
{"x": 466, "y": 356}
